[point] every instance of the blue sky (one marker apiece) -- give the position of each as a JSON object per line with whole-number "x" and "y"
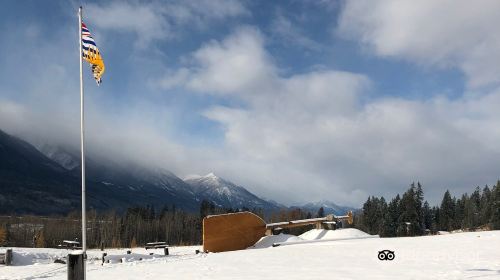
{"x": 296, "y": 100}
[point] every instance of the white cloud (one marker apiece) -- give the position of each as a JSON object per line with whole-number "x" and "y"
{"x": 285, "y": 30}
{"x": 303, "y": 137}
{"x": 202, "y": 11}
{"x": 159, "y": 20}
{"x": 446, "y": 33}
{"x": 310, "y": 135}
{"x": 237, "y": 64}
{"x": 146, "y": 21}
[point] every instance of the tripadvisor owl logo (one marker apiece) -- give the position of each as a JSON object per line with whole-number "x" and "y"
{"x": 386, "y": 255}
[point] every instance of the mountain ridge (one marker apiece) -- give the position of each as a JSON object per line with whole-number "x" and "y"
{"x": 45, "y": 179}
{"x": 225, "y": 193}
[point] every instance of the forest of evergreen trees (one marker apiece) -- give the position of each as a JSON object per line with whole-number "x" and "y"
{"x": 136, "y": 227}
{"x": 406, "y": 215}
{"x": 410, "y": 215}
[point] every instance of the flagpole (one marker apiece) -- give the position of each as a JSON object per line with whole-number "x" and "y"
{"x": 82, "y": 138}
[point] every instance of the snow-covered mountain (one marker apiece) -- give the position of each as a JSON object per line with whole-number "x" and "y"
{"x": 53, "y": 173}
{"x": 133, "y": 177}
{"x": 66, "y": 159}
{"x": 112, "y": 173}
{"x": 328, "y": 206}
{"x": 226, "y": 194}
{"x": 45, "y": 181}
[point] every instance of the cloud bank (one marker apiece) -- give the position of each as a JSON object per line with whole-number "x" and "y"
{"x": 313, "y": 134}
{"x": 290, "y": 137}
{"x": 436, "y": 33}
{"x": 158, "y": 20}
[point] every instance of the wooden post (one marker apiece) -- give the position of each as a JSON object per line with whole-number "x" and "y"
{"x": 8, "y": 257}
{"x": 76, "y": 266}
{"x": 104, "y": 257}
{"x": 165, "y": 250}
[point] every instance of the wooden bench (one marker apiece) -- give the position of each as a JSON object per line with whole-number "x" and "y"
{"x": 68, "y": 244}
{"x": 6, "y": 258}
{"x": 158, "y": 245}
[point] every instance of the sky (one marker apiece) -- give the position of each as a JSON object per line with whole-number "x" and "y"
{"x": 296, "y": 100}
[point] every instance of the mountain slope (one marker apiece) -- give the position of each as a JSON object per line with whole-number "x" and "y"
{"x": 30, "y": 182}
{"x": 328, "y": 207}
{"x": 47, "y": 181}
{"x": 226, "y": 194}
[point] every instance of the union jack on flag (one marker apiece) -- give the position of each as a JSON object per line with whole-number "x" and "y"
{"x": 91, "y": 54}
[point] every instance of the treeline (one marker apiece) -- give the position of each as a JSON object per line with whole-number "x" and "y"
{"x": 136, "y": 227}
{"x": 410, "y": 215}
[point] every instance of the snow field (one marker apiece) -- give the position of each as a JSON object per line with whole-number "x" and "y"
{"x": 469, "y": 255}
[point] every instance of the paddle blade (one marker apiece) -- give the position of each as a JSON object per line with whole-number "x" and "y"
{"x": 230, "y": 232}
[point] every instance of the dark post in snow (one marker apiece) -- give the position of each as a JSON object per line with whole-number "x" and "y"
{"x": 104, "y": 257}
{"x": 8, "y": 257}
{"x": 76, "y": 266}
{"x": 165, "y": 250}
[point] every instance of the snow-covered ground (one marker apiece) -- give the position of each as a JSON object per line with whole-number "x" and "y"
{"x": 471, "y": 255}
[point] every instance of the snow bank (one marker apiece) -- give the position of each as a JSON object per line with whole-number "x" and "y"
{"x": 26, "y": 256}
{"x": 129, "y": 258}
{"x": 35, "y": 256}
{"x": 267, "y": 241}
{"x": 469, "y": 255}
{"x": 317, "y": 234}
{"x": 22, "y": 259}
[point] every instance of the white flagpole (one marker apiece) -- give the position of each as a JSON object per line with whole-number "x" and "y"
{"x": 82, "y": 138}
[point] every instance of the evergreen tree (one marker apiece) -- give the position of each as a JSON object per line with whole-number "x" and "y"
{"x": 475, "y": 205}
{"x": 419, "y": 199}
{"x": 495, "y": 207}
{"x": 391, "y": 217}
{"x": 460, "y": 212}
{"x": 435, "y": 219}
{"x": 321, "y": 213}
{"x": 381, "y": 212}
{"x": 366, "y": 216}
{"x": 446, "y": 212}
{"x": 428, "y": 217}
{"x": 204, "y": 208}
{"x": 485, "y": 206}
{"x": 411, "y": 218}
{"x": 470, "y": 213}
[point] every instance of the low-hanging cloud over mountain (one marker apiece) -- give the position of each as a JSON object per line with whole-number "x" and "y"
{"x": 229, "y": 105}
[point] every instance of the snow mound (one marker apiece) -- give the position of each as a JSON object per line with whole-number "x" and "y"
{"x": 316, "y": 234}
{"x": 22, "y": 259}
{"x": 25, "y": 257}
{"x": 128, "y": 258}
{"x": 268, "y": 241}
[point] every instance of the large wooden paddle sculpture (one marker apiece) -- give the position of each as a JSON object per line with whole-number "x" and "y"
{"x": 237, "y": 231}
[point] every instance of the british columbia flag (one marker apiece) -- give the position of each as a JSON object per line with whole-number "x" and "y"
{"x": 91, "y": 54}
